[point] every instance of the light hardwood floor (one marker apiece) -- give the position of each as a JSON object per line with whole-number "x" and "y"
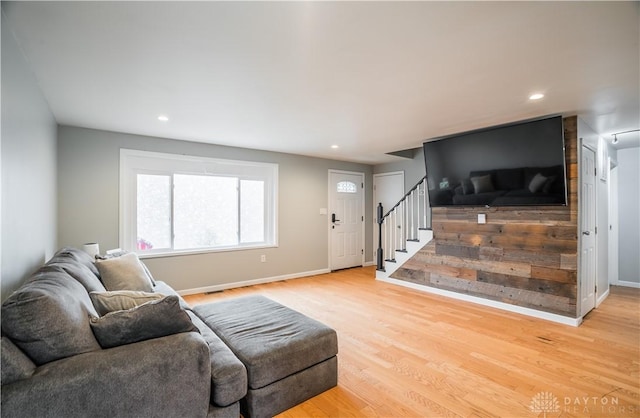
{"x": 405, "y": 353}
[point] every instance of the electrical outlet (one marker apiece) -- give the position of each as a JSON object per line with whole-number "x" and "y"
{"x": 482, "y": 218}
{"x": 263, "y": 258}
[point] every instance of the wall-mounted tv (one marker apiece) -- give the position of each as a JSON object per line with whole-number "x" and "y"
{"x": 518, "y": 164}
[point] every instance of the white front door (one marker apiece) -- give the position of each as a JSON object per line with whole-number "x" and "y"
{"x": 587, "y": 271}
{"x": 346, "y": 219}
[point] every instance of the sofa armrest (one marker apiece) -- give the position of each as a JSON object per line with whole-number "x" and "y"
{"x": 168, "y": 376}
{"x": 229, "y": 381}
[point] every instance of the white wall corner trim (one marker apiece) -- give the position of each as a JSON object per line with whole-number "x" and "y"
{"x": 225, "y": 286}
{"x": 574, "y": 322}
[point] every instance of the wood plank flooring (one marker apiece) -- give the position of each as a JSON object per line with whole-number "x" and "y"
{"x": 405, "y": 353}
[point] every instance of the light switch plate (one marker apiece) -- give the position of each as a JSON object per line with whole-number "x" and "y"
{"x": 323, "y": 211}
{"x": 482, "y": 218}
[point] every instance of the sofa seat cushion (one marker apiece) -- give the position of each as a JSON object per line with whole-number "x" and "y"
{"x": 271, "y": 340}
{"x": 48, "y": 317}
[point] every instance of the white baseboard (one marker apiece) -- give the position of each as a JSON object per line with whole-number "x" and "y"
{"x": 602, "y": 298}
{"x": 487, "y": 302}
{"x": 627, "y": 284}
{"x": 369, "y": 263}
{"x": 225, "y": 286}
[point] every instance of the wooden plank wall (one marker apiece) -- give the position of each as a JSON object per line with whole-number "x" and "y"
{"x": 525, "y": 256}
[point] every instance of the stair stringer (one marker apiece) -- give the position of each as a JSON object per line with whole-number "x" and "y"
{"x": 401, "y": 257}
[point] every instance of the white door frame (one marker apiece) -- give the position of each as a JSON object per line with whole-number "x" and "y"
{"x": 613, "y": 222}
{"x": 330, "y": 209}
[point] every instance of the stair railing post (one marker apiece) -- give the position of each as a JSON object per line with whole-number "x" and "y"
{"x": 380, "y": 252}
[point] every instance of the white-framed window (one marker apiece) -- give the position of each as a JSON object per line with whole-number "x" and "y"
{"x": 177, "y": 204}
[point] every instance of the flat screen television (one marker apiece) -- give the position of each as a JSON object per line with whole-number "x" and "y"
{"x": 518, "y": 164}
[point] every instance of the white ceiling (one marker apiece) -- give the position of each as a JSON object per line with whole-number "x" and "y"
{"x": 298, "y": 77}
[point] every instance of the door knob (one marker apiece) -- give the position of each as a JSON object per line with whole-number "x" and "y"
{"x": 333, "y": 218}
{"x": 586, "y": 233}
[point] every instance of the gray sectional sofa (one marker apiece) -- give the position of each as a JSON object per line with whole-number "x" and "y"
{"x": 505, "y": 187}
{"x": 66, "y": 353}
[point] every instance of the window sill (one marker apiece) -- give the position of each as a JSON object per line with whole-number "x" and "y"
{"x": 179, "y": 253}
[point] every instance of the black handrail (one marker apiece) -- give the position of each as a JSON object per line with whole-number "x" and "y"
{"x": 405, "y": 197}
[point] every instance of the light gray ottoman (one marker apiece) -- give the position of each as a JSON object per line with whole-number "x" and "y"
{"x": 289, "y": 357}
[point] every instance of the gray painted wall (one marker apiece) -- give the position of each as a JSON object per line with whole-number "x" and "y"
{"x": 629, "y": 215}
{"x": 28, "y": 154}
{"x": 88, "y": 189}
{"x": 414, "y": 168}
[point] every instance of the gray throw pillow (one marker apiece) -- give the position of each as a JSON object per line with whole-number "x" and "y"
{"x": 547, "y": 185}
{"x": 153, "y": 319}
{"x": 467, "y": 186}
{"x": 124, "y": 273}
{"x": 537, "y": 182}
{"x": 120, "y": 300}
{"x": 482, "y": 184}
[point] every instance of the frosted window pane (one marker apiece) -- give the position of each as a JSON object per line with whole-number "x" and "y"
{"x": 347, "y": 187}
{"x": 205, "y": 211}
{"x": 251, "y": 211}
{"x": 154, "y": 212}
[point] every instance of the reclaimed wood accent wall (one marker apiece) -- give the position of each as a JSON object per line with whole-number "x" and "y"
{"x": 525, "y": 256}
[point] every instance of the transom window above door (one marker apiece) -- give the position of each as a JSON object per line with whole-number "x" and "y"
{"x": 346, "y": 187}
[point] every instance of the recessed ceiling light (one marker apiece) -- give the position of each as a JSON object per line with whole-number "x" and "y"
{"x": 536, "y": 96}
{"x": 334, "y": 146}
{"x": 163, "y": 118}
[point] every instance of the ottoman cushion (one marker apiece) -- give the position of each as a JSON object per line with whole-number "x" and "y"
{"x": 271, "y": 340}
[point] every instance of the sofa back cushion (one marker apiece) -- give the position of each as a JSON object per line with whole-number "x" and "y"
{"x": 48, "y": 317}
{"x": 71, "y": 254}
{"x": 510, "y": 179}
{"x": 80, "y": 272}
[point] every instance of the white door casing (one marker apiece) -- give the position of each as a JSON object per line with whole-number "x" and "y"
{"x": 587, "y": 273}
{"x": 346, "y": 219}
{"x": 613, "y": 222}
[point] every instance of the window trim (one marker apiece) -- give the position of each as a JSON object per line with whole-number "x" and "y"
{"x": 134, "y": 162}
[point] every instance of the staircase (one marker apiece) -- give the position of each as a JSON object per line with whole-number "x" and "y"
{"x": 403, "y": 230}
